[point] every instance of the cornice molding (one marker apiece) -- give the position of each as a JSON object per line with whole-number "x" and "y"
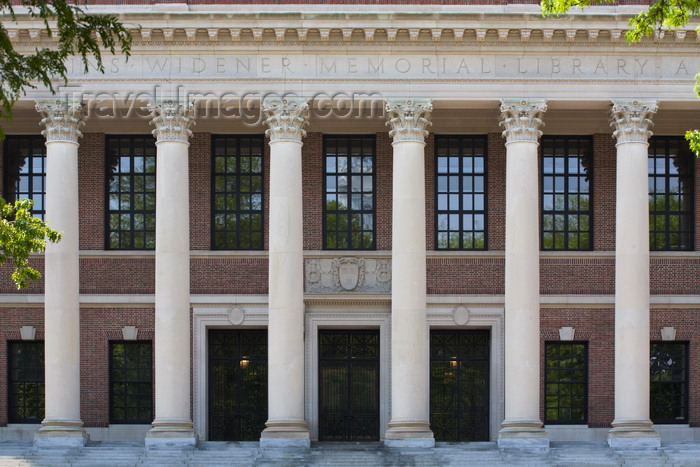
{"x": 156, "y": 31}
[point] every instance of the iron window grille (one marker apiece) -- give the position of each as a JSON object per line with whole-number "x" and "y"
{"x": 566, "y": 382}
{"x": 567, "y": 173}
{"x": 130, "y": 382}
{"x": 348, "y": 385}
{"x": 25, "y": 171}
{"x": 671, "y": 168}
{"x": 237, "y": 195}
{"x": 237, "y": 384}
{"x": 460, "y": 192}
{"x": 668, "y": 402}
{"x": 349, "y": 187}
{"x": 459, "y": 384}
{"x": 26, "y": 397}
{"x": 131, "y": 193}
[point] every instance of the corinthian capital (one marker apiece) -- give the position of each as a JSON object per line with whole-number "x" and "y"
{"x": 409, "y": 119}
{"x": 521, "y": 120}
{"x": 286, "y": 118}
{"x": 632, "y": 120}
{"x": 172, "y": 121}
{"x": 61, "y": 119}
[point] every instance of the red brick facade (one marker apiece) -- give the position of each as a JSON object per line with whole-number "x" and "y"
{"x": 471, "y": 273}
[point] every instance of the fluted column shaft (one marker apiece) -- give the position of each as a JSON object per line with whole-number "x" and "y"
{"x": 632, "y": 426}
{"x": 62, "y": 424}
{"x": 286, "y": 424}
{"x": 410, "y": 339}
{"x": 522, "y": 426}
{"x": 173, "y": 423}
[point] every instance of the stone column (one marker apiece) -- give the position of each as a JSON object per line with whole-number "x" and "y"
{"x": 286, "y": 425}
{"x": 632, "y": 426}
{"x": 62, "y": 425}
{"x": 173, "y": 422}
{"x": 410, "y": 339}
{"x": 522, "y": 427}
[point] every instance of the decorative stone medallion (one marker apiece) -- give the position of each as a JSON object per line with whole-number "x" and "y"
{"x": 236, "y": 315}
{"x": 461, "y": 315}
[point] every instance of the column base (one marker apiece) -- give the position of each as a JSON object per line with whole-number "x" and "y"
{"x": 285, "y": 434}
{"x": 171, "y": 434}
{"x": 523, "y": 434}
{"x": 633, "y": 434}
{"x": 409, "y": 434}
{"x": 61, "y": 434}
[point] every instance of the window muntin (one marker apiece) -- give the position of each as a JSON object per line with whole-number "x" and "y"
{"x": 671, "y": 168}
{"x": 237, "y": 195}
{"x": 26, "y": 381}
{"x": 349, "y": 186}
{"x": 668, "y": 402}
{"x": 460, "y": 181}
{"x": 566, "y": 382}
{"x": 130, "y": 382}
{"x": 25, "y": 171}
{"x": 566, "y": 193}
{"x": 131, "y": 193}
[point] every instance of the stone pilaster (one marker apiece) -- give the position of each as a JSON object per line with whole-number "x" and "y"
{"x": 62, "y": 425}
{"x": 286, "y": 426}
{"x": 522, "y": 427}
{"x": 410, "y": 339}
{"x": 632, "y": 427}
{"x": 173, "y": 423}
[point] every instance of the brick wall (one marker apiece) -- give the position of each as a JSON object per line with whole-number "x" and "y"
{"x": 200, "y": 191}
{"x": 92, "y": 191}
{"x": 597, "y": 327}
{"x": 99, "y": 326}
{"x": 312, "y": 190}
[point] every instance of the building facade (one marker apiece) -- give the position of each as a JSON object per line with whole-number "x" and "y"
{"x": 405, "y": 223}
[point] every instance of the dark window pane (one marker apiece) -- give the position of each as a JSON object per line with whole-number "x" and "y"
{"x": 238, "y": 192}
{"x": 671, "y": 169}
{"x": 566, "y": 194}
{"x": 461, "y": 196}
{"x": 26, "y": 381}
{"x": 25, "y": 171}
{"x": 131, "y": 382}
{"x": 668, "y": 401}
{"x": 349, "y": 208}
{"x": 566, "y": 375}
{"x": 130, "y": 192}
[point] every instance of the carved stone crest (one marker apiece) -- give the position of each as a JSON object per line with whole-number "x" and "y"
{"x": 349, "y": 273}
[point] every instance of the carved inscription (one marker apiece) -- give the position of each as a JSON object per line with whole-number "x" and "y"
{"x": 441, "y": 65}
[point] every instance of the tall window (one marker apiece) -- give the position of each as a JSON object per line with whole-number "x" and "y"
{"x": 349, "y": 209}
{"x": 131, "y": 188}
{"x": 566, "y": 382}
{"x": 237, "y": 198}
{"x": 669, "y": 382}
{"x": 25, "y": 171}
{"x": 566, "y": 193}
{"x": 131, "y": 382}
{"x": 671, "y": 167}
{"x": 26, "y": 381}
{"x": 461, "y": 192}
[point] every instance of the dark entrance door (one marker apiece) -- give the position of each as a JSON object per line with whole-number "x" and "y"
{"x": 459, "y": 385}
{"x": 348, "y": 385}
{"x": 237, "y": 384}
